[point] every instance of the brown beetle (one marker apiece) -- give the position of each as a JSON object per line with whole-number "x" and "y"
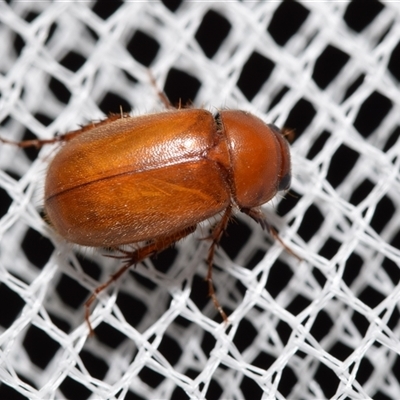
{"x": 152, "y": 179}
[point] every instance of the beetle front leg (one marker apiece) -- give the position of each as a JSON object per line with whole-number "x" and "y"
{"x": 132, "y": 258}
{"x": 216, "y": 235}
{"x": 258, "y": 216}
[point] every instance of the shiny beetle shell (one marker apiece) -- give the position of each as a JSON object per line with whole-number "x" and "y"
{"x": 146, "y": 178}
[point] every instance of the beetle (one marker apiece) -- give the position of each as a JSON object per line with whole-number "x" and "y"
{"x": 150, "y": 180}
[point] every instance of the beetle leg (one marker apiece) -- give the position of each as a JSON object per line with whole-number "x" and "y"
{"x": 259, "y": 217}
{"x": 216, "y": 235}
{"x": 163, "y": 97}
{"x": 38, "y": 143}
{"x": 132, "y": 258}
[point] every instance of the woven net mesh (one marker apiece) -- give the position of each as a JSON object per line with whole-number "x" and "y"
{"x": 324, "y": 327}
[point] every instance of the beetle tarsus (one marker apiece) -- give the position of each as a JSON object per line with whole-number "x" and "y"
{"x": 272, "y": 231}
{"x": 259, "y": 217}
{"x": 162, "y": 96}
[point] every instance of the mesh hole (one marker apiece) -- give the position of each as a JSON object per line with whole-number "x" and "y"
{"x": 284, "y": 331}
{"x": 395, "y": 242}
{"x": 352, "y": 268}
{"x": 384, "y": 212}
{"x": 150, "y": 377}
{"x": 106, "y": 9}
{"x": 360, "y": 322}
{"x": 300, "y": 116}
{"x": 5, "y": 202}
{"x": 361, "y": 192}
{"x": 235, "y": 237}
{"x": 264, "y": 360}
{"x": 318, "y": 144}
{"x": 340, "y": 351}
{"x": 392, "y": 270}
{"x": 60, "y": 91}
{"x": 394, "y": 321}
{"x": 287, "y": 382}
{"x": 74, "y": 390}
{"x": 72, "y": 292}
{"x": 37, "y": 248}
{"x": 312, "y": 222}
{"x": 7, "y": 392}
{"x": 164, "y": 260}
{"x": 179, "y": 394}
{"x": 172, "y": 5}
{"x": 113, "y": 103}
{"x": 371, "y": 297}
{"x": 180, "y": 87}
{"x": 255, "y": 73}
{"x": 342, "y": 162}
{"x": 360, "y": 14}
{"x": 287, "y": 20}
{"x": 250, "y": 389}
{"x": 328, "y": 65}
{"x": 132, "y": 308}
{"x": 365, "y": 371}
{"x": 170, "y": 349}
{"x": 277, "y": 97}
{"x": 393, "y": 139}
{"x": 330, "y": 248}
{"x": 73, "y": 61}
{"x": 31, "y": 16}
{"x": 40, "y": 347}
{"x": 19, "y": 44}
{"x": 354, "y": 85}
{"x": 96, "y": 366}
{"x": 394, "y": 62}
{"x": 143, "y": 47}
{"x": 298, "y": 304}
{"x": 14, "y": 306}
{"x": 245, "y": 335}
{"x": 199, "y": 292}
{"x": 372, "y": 112}
{"x": 213, "y": 30}
{"x": 327, "y": 380}
{"x": 322, "y": 325}
{"x": 60, "y": 323}
{"x": 278, "y": 278}
{"x": 110, "y": 336}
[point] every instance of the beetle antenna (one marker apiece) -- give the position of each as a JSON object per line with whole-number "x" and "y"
{"x": 259, "y": 217}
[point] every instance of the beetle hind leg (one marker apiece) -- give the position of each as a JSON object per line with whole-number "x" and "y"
{"x": 131, "y": 258}
{"x": 216, "y": 235}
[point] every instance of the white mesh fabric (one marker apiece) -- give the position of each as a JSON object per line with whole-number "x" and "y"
{"x": 326, "y": 327}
